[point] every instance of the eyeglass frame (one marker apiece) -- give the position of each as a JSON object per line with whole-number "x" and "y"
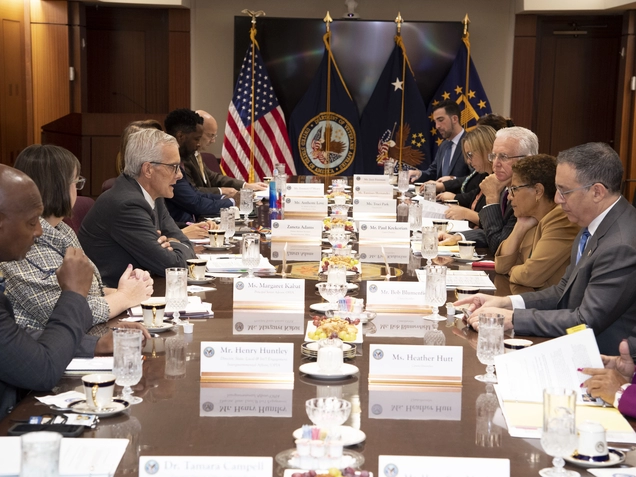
{"x": 496, "y": 155}
{"x": 211, "y": 137}
{"x": 80, "y": 182}
{"x": 513, "y": 189}
{"x": 174, "y": 166}
{"x": 567, "y": 192}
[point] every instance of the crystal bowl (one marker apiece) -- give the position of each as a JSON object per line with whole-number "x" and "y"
{"x": 328, "y": 412}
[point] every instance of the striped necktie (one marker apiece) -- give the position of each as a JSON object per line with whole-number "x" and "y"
{"x": 447, "y": 159}
{"x": 582, "y": 243}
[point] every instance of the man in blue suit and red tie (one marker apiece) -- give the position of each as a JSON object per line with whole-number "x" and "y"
{"x": 449, "y": 160}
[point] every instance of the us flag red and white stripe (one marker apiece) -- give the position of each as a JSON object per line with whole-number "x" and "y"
{"x": 271, "y": 143}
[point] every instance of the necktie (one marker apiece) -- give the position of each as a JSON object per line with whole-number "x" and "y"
{"x": 201, "y": 167}
{"x": 582, "y": 243}
{"x": 504, "y": 201}
{"x": 447, "y": 159}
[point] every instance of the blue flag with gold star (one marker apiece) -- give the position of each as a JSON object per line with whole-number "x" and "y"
{"x": 394, "y": 124}
{"x": 462, "y": 85}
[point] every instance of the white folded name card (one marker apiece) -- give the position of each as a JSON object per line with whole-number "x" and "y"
{"x": 222, "y": 400}
{"x": 370, "y": 179}
{"x": 316, "y": 189}
{"x": 396, "y": 325}
{"x": 268, "y": 322}
{"x": 384, "y": 232}
{"x": 396, "y": 296}
{"x": 380, "y": 191}
{"x": 297, "y": 231}
{"x": 307, "y": 206}
{"x": 244, "y": 362}
{"x": 205, "y": 466}
{"x": 425, "y": 466}
{"x": 435, "y": 403}
{"x": 296, "y": 251}
{"x": 413, "y": 364}
{"x": 269, "y": 293}
{"x": 392, "y": 253}
{"x": 367, "y": 208}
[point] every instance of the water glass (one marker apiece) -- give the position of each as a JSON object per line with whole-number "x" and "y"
{"x": 490, "y": 344}
{"x": 251, "y": 252}
{"x": 436, "y": 290}
{"x": 228, "y": 224}
{"x": 40, "y": 454}
{"x": 127, "y": 362}
{"x": 403, "y": 182}
{"x": 176, "y": 291}
{"x": 429, "y": 244}
{"x": 430, "y": 192}
{"x": 389, "y": 167}
{"x": 175, "y": 358}
{"x": 337, "y": 273}
{"x": 559, "y": 437}
{"x": 415, "y": 218}
{"x": 247, "y": 202}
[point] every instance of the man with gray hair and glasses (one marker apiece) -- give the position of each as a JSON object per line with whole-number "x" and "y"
{"x": 129, "y": 223}
{"x": 599, "y": 285}
{"x": 496, "y": 218}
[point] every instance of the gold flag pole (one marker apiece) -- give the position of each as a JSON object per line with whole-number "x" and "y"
{"x": 327, "y": 40}
{"x": 254, "y": 15}
{"x": 466, "y": 40}
{"x": 398, "y": 40}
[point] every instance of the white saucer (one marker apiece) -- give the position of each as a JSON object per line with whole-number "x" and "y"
{"x": 165, "y": 326}
{"x": 204, "y": 281}
{"x": 313, "y": 370}
{"x": 615, "y": 457}
{"x": 475, "y": 258}
{"x": 117, "y": 406}
{"x": 349, "y": 435}
{"x": 217, "y": 249}
{"x": 350, "y": 286}
{"x": 322, "y": 307}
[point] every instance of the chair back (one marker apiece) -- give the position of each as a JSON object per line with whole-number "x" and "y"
{"x": 80, "y": 209}
{"x": 211, "y": 161}
{"x": 107, "y": 184}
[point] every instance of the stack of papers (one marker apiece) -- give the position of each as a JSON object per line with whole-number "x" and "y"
{"x": 194, "y": 309}
{"x": 461, "y": 278}
{"x": 83, "y": 366}
{"x": 233, "y": 263}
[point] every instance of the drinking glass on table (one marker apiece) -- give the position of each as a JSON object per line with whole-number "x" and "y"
{"x": 228, "y": 224}
{"x": 435, "y": 290}
{"x": 415, "y": 219}
{"x": 127, "y": 362}
{"x": 176, "y": 291}
{"x": 247, "y": 202}
{"x": 429, "y": 244}
{"x": 403, "y": 183}
{"x": 559, "y": 437}
{"x": 389, "y": 167}
{"x": 490, "y": 344}
{"x": 251, "y": 252}
{"x": 430, "y": 192}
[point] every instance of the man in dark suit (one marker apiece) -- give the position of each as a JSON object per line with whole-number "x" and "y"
{"x": 27, "y": 362}
{"x": 496, "y": 218}
{"x": 449, "y": 160}
{"x": 130, "y": 223}
{"x": 599, "y": 285}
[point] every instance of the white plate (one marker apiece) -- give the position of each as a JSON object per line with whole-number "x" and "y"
{"x": 313, "y": 346}
{"x": 349, "y": 435}
{"x": 311, "y": 328}
{"x": 313, "y": 370}
{"x": 203, "y": 281}
{"x": 350, "y": 286}
{"x": 475, "y": 258}
{"x": 165, "y": 326}
{"x": 322, "y": 307}
{"x": 217, "y": 249}
{"x": 117, "y": 406}
{"x": 364, "y": 317}
{"x": 615, "y": 457}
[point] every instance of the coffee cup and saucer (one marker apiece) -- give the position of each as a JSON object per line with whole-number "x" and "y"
{"x": 196, "y": 272}
{"x": 99, "y": 397}
{"x": 592, "y": 450}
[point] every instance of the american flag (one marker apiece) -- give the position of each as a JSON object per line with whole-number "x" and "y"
{"x": 271, "y": 143}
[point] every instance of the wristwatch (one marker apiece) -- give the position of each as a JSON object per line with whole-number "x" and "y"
{"x": 619, "y": 394}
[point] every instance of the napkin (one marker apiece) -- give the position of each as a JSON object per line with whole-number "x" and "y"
{"x": 61, "y": 400}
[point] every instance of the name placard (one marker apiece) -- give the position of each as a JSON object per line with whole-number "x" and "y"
{"x": 437, "y": 403}
{"x": 394, "y": 253}
{"x": 396, "y": 296}
{"x": 205, "y": 466}
{"x": 219, "y": 400}
{"x": 424, "y": 466}
{"x": 305, "y": 207}
{"x": 305, "y": 190}
{"x": 368, "y": 208}
{"x": 268, "y": 322}
{"x": 297, "y": 231}
{"x": 384, "y": 232}
{"x": 245, "y": 362}
{"x": 269, "y": 293}
{"x": 296, "y": 251}
{"x": 415, "y": 364}
{"x": 370, "y": 179}
{"x": 396, "y": 325}
{"x": 381, "y": 191}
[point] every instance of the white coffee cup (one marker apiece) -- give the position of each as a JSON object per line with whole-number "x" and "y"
{"x": 466, "y": 249}
{"x": 466, "y": 292}
{"x": 330, "y": 356}
{"x": 99, "y": 389}
{"x": 515, "y": 344}
{"x": 153, "y": 311}
{"x": 442, "y": 226}
{"x": 217, "y": 237}
{"x": 196, "y": 268}
{"x": 592, "y": 442}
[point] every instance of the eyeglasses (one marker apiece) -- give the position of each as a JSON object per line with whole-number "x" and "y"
{"x": 502, "y": 157}
{"x": 79, "y": 182}
{"x": 175, "y": 167}
{"x": 469, "y": 154}
{"x": 513, "y": 189}
{"x": 211, "y": 137}
{"x": 562, "y": 194}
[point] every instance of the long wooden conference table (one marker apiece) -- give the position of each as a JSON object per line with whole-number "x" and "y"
{"x": 174, "y": 417}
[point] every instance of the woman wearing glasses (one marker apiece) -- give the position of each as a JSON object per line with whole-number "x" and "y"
{"x": 31, "y": 284}
{"x": 537, "y": 252}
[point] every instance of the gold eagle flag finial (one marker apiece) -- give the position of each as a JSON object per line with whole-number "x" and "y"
{"x": 253, "y": 14}
{"x": 398, "y": 22}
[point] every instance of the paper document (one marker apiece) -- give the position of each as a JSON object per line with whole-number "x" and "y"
{"x": 195, "y": 308}
{"x": 433, "y": 210}
{"x": 234, "y": 263}
{"x": 87, "y": 366}
{"x": 462, "y": 278}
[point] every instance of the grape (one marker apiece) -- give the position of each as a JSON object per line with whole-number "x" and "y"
{"x": 356, "y": 321}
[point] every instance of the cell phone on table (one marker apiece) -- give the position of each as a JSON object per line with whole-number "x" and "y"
{"x": 67, "y": 430}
